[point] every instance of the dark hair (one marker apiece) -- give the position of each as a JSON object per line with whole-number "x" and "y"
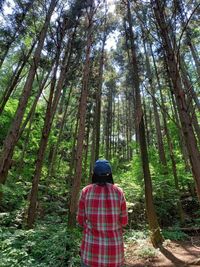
{"x": 102, "y": 180}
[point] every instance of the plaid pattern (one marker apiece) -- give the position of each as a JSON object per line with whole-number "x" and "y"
{"x": 102, "y": 212}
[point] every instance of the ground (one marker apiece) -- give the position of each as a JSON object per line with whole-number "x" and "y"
{"x": 173, "y": 254}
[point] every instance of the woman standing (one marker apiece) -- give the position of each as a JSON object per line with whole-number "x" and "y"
{"x": 102, "y": 213}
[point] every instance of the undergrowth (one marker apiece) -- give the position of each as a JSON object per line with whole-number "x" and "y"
{"x": 47, "y": 245}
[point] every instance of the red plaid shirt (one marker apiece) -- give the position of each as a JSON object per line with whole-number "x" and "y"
{"x": 102, "y": 212}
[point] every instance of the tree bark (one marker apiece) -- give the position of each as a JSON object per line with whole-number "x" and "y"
{"x": 98, "y": 99}
{"x": 51, "y": 170}
{"x": 185, "y": 118}
{"x": 81, "y": 126}
{"x": 170, "y": 145}
{"x": 12, "y": 136}
{"x": 54, "y": 97}
{"x": 161, "y": 149}
{"x": 156, "y": 236}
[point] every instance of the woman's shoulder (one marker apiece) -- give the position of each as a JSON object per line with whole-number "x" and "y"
{"x": 87, "y": 188}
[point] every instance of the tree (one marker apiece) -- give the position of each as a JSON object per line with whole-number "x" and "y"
{"x": 184, "y": 115}
{"x": 81, "y": 119}
{"x": 12, "y": 136}
{"x": 156, "y": 236}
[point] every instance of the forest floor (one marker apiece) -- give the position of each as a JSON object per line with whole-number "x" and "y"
{"x": 173, "y": 253}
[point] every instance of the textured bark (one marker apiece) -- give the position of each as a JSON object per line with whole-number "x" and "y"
{"x": 156, "y": 236}
{"x": 187, "y": 84}
{"x": 40, "y": 155}
{"x": 108, "y": 125}
{"x": 12, "y": 136}
{"x": 161, "y": 150}
{"x": 147, "y": 124}
{"x": 81, "y": 125}
{"x": 54, "y": 97}
{"x": 86, "y": 147}
{"x": 170, "y": 146}
{"x": 98, "y": 99}
{"x": 51, "y": 170}
{"x": 185, "y": 118}
{"x": 33, "y": 107}
{"x": 29, "y": 120}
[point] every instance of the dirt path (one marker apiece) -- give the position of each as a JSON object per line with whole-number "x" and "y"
{"x": 173, "y": 254}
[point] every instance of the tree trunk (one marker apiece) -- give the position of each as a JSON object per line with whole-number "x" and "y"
{"x": 81, "y": 126}
{"x": 12, "y": 136}
{"x": 156, "y": 236}
{"x": 108, "y": 125}
{"x": 187, "y": 84}
{"x": 40, "y": 155}
{"x": 170, "y": 146}
{"x": 51, "y": 170}
{"x": 161, "y": 150}
{"x": 98, "y": 99}
{"x": 185, "y": 118}
{"x": 53, "y": 100}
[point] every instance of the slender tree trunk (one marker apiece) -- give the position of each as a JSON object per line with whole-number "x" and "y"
{"x": 54, "y": 98}
{"x": 86, "y": 144}
{"x": 128, "y": 135}
{"x": 72, "y": 161}
{"x": 81, "y": 126}
{"x": 98, "y": 98}
{"x": 170, "y": 145}
{"x": 29, "y": 120}
{"x": 156, "y": 236}
{"x": 97, "y": 116}
{"x": 195, "y": 56}
{"x": 41, "y": 153}
{"x": 108, "y": 125}
{"x": 51, "y": 170}
{"x": 92, "y": 149}
{"x": 161, "y": 149}
{"x": 12, "y": 136}
{"x": 147, "y": 125}
{"x": 189, "y": 100}
{"x": 185, "y": 118}
{"x": 33, "y": 107}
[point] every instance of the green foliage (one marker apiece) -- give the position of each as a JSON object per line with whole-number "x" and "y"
{"x": 146, "y": 252}
{"x": 135, "y": 236}
{"x": 14, "y": 194}
{"x": 47, "y": 245}
{"x": 6, "y": 118}
{"x": 129, "y": 177}
{"x": 174, "y": 234}
{"x": 140, "y": 239}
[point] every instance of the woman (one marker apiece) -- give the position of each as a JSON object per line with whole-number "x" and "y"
{"x": 102, "y": 213}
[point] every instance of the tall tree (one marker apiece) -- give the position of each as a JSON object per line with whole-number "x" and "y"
{"x": 156, "y": 236}
{"x": 11, "y": 138}
{"x": 184, "y": 115}
{"x": 81, "y": 117}
{"x": 54, "y": 97}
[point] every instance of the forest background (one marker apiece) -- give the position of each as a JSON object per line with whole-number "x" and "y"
{"x": 82, "y": 80}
